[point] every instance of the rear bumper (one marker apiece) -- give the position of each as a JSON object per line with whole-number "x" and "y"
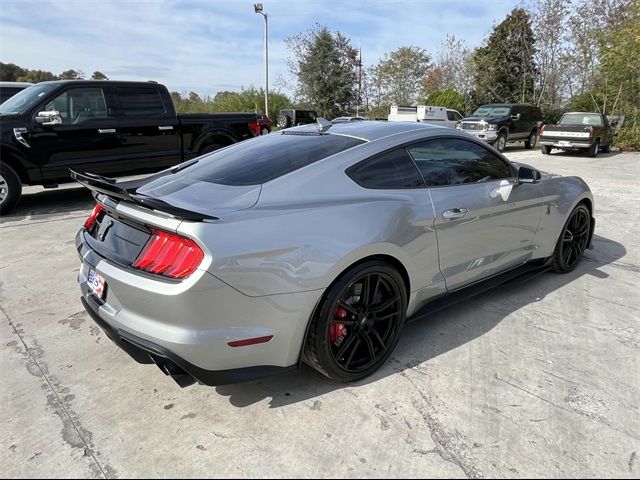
{"x": 565, "y": 144}
{"x": 185, "y": 327}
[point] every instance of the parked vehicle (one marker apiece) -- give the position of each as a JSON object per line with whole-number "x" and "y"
{"x": 315, "y": 246}
{"x": 289, "y": 117}
{"x": 430, "y": 114}
{"x": 587, "y": 131}
{"x": 501, "y": 123}
{"x": 347, "y": 119}
{"x": 9, "y": 89}
{"x": 104, "y": 127}
{"x": 261, "y": 125}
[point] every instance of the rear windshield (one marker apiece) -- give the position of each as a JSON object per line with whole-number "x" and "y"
{"x": 581, "y": 119}
{"x": 260, "y": 160}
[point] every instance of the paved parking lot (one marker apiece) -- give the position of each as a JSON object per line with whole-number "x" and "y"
{"x": 535, "y": 379}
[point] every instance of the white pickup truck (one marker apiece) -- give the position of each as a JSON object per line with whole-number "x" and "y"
{"x": 433, "y": 115}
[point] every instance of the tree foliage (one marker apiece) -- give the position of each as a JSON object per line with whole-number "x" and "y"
{"x": 325, "y": 67}
{"x": 449, "y": 98}
{"x": 399, "y": 73}
{"x": 99, "y": 76}
{"x": 505, "y": 68}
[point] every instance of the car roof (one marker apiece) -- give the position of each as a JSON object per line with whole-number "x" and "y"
{"x": 583, "y": 113}
{"x": 96, "y": 82}
{"x": 508, "y": 105}
{"x": 369, "y": 130}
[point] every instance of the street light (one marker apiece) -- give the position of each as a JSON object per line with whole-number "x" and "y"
{"x": 258, "y": 9}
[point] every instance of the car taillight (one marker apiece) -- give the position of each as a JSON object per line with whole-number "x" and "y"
{"x": 541, "y": 129}
{"x": 93, "y": 217}
{"x": 254, "y": 127}
{"x": 169, "y": 255}
{"x": 591, "y": 131}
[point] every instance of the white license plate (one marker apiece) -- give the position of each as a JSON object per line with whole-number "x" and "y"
{"x": 96, "y": 283}
{"x": 564, "y": 143}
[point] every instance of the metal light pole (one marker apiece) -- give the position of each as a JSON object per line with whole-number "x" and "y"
{"x": 258, "y": 8}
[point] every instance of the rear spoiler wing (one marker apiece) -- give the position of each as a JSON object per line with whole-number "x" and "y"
{"x": 126, "y": 191}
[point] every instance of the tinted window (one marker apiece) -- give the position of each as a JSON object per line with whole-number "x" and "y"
{"x": 581, "y": 119}
{"x": 257, "y": 161}
{"x": 25, "y": 99}
{"x": 390, "y": 170}
{"x": 491, "y": 112}
{"x": 80, "y": 105}
{"x": 451, "y": 161}
{"x": 140, "y": 102}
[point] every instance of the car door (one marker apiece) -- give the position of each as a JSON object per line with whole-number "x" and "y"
{"x": 484, "y": 220}
{"x": 516, "y": 125}
{"x": 148, "y": 129}
{"x": 86, "y": 139}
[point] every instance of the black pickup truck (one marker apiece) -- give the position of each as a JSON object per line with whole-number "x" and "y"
{"x": 110, "y": 128}
{"x": 578, "y": 131}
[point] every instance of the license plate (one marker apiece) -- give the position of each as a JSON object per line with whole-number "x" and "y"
{"x": 564, "y": 143}
{"x": 96, "y": 283}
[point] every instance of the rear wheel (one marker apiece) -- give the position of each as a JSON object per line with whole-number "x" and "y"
{"x": 546, "y": 149}
{"x": 573, "y": 240}
{"x": 10, "y": 188}
{"x": 284, "y": 121}
{"x": 594, "y": 149}
{"x": 264, "y": 131}
{"x": 607, "y": 149}
{"x": 358, "y": 324}
{"x": 530, "y": 143}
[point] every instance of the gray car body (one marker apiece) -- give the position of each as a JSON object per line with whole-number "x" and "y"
{"x": 277, "y": 247}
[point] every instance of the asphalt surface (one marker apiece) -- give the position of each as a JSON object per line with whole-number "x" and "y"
{"x": 541, "y": 378}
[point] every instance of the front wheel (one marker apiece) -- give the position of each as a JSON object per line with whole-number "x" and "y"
{"x": 573, "y": 240}
{"x": 358, "y": 323}
{"x": 501, "y": 142}
{"x": 10, "y": 188}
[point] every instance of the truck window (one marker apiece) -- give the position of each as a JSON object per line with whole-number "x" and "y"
{"x": 80, "y": 105}
{"x": 140, "y": 102}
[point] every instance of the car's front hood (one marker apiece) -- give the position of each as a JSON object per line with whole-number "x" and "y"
{"x": 200, "y": 196}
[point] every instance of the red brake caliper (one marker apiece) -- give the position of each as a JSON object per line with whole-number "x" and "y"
{"x": 338, "y": 331}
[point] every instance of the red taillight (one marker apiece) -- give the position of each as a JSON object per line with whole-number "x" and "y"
{"x": 254, "y": 127}
{"x": 541, "y": 129}
{"x": 94, "y": 215}
{"x": 591, "y": 130}
{"x": 169, "y": 255}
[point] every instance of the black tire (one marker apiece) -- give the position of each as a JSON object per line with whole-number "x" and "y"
{"x": 211, "y": 147}
{"x": 501, "y": 142}
{"x": 264, "y": 131}
{"x": 594, "y": 149}
{"x": 546, "y": 149}
{"x": 573, "y": 240}
{"x": 530, "y": 143}
{"x": 284, "y": 121}
{"x": 10, "y": 188}
{"x": 607, "y": 149}
{"x": 365, "y": 339}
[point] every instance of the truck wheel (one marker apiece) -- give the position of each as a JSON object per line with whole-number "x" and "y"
{"x": 530, "y": 143}
{"x": 10, "y": 188}
{"x": 607, "y": 149}
{"x": 284, "y": 121}
{"x": 546, "y": 149}
{"x": 264, "y": 131}
{"x": 594, "y": 149}
{"x": 501, "y": 142}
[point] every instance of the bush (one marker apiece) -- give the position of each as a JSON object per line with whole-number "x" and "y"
{"x": 628, "y": 139}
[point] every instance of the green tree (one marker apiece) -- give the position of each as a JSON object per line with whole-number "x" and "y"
{"x": 10, "y": 72}
{"x": 449, "y": 98}
{"x": 72, "y": 75}
{"x": 35, "y": 76}
{"x": 325, "y": 66}
{"x": 99, "y": 76}
{"x": 504, "y": 68}
{"x": 400, "y": 73}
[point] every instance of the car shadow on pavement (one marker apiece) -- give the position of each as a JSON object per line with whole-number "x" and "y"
{"x": 48, "y": 204}
{"x": 427, "y": 338}
{"x": 582, "y": 154}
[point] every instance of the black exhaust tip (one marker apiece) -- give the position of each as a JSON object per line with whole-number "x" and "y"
{"x": 182, "y": 378}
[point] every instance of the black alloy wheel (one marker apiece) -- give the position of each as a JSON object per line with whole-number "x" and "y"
{"x": 359, "y": 324}
{"x": 573, "y": 241}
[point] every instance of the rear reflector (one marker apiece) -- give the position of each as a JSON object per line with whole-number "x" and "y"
{"x": 169, "y": 255}
{"x": 93, "y": 217}
{"x": 250, "y": 341}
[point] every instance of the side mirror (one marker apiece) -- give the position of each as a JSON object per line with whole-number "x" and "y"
{"x": 528, "y": 175}
{"x": 515, "y": 117}
{"x": 51, "y": 117}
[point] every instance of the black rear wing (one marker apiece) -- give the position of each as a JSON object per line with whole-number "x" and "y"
{"x": 126, "y": 191}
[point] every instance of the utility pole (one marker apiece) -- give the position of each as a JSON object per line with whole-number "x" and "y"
{"x": 259, "y": 9}
{"x": 359, "y": 81}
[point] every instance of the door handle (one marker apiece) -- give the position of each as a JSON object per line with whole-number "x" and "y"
{"x": 168, "y": 127}
{"x": 455, "y": 213}
{"x": 106, "y": 130}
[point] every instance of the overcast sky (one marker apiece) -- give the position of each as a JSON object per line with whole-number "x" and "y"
{"x": 212, "y": 45}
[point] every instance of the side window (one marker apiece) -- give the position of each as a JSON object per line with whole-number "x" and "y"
{"x": 80, "y": 105}
{"x": 389, "y": 170}
{"x": 452, "y": 161}
{"x": 136, "y": 102}
{"x": 451, "y": 115}
{"x": 457, "y": 116}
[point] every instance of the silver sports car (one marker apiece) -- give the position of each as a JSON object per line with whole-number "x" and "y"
{"x": 315, "y": 244}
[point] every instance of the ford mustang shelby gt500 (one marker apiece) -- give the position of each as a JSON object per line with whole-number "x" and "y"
{"x": 314, "y": 244}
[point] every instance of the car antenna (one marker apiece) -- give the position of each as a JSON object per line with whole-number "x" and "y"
{"x": 323, "y": 125}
